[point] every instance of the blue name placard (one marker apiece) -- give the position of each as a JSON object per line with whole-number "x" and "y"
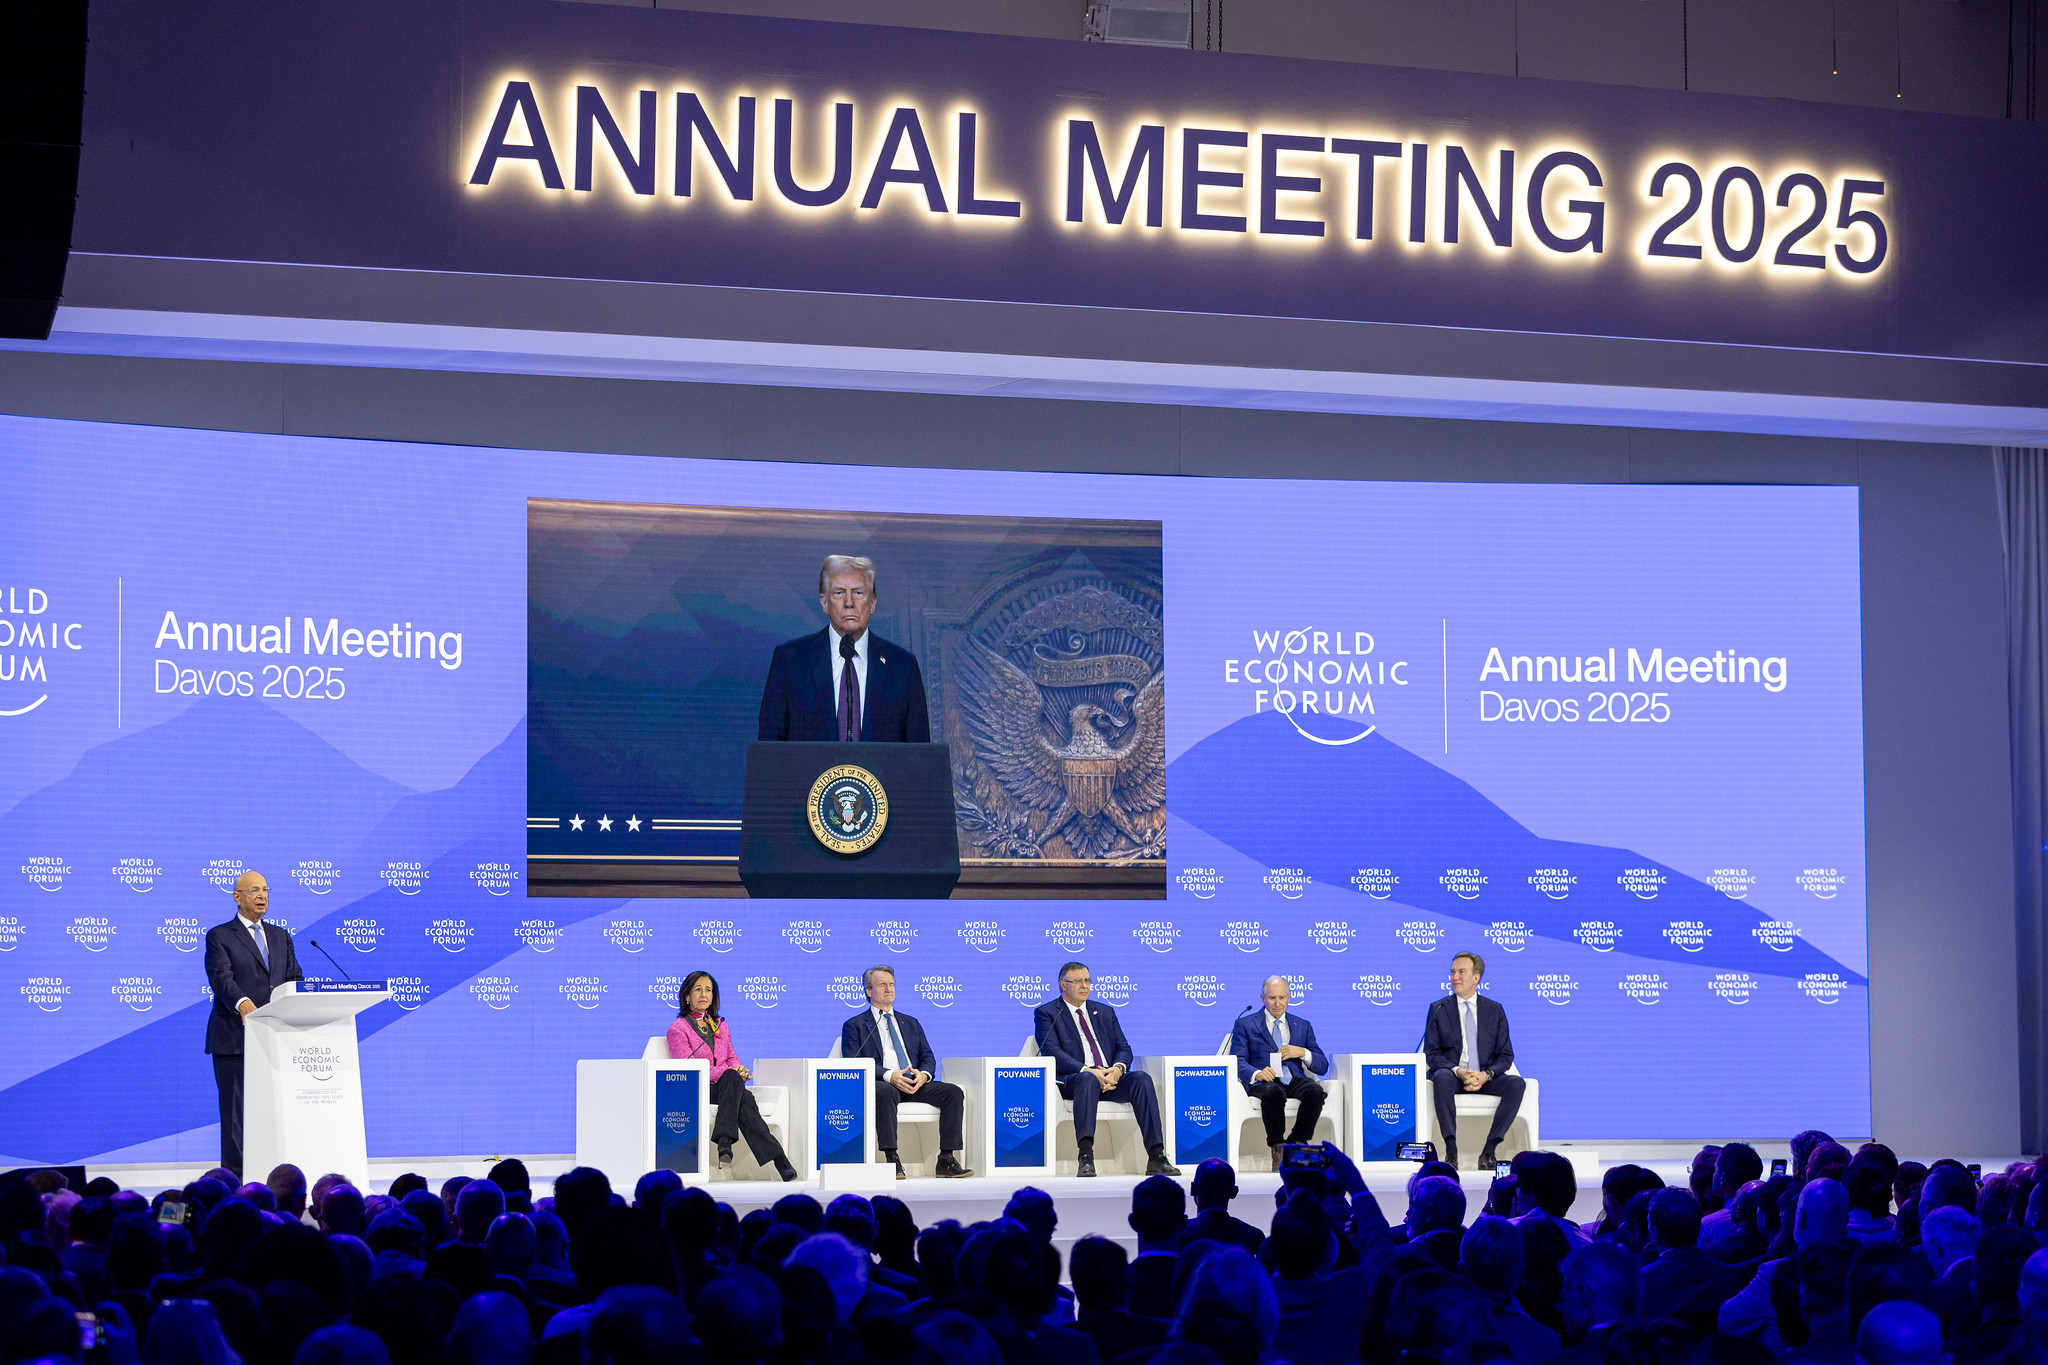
{"x": 678, "y": 1108}
{"x": 1018, "y": 1102}
{"x": 842, "y": 1097}
{"x": 1201, "y": 1105}
{"x": 1386, "y": 1109}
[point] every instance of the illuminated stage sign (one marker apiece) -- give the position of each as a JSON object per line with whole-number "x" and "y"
{"x": 596, "y": 143}
{"x": 665, "y": 145}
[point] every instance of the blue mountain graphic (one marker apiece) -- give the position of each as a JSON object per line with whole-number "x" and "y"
{"x": 1334, "y": 809}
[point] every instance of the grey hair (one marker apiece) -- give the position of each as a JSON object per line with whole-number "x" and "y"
{"x": 867, "y": 978}
{"x": 1271, "y": 979}
{"x": 835, "y": 565}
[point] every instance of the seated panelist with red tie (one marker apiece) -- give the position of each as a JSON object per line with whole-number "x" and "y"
{"x": 904, "y": 1067}
{"x": 1092, "y": 1063}
{"x": 845, "y": 683}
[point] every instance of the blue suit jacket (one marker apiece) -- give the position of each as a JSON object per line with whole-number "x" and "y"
{"x": 798, "y": 702}
{"x": 1252, "y": 1045}
{"x": 1493, "y": 1049}
{"x": 235, "y": 973}
{"x": 861, "y": 1036}
{"x": 1060, "y": 1040}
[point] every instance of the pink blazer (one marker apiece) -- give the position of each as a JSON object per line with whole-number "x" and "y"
{"x": 685, "y": 1041}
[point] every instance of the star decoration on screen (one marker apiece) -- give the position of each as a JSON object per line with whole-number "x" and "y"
{"x": 575, "y": 822}
{"x": 604, "y": 823}
{"x": 633, "y": 823}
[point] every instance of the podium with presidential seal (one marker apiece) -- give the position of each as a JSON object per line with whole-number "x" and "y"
{"x": 848, "y": 821}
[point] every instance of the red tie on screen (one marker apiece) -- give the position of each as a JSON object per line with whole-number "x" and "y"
{"x": 849, "y": 694}
{"x": 1089, "y": 1033}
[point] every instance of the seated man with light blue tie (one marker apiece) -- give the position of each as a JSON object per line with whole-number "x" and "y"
{"x": 1256, "y": 1040}
{"x": 903, "y": 1072}
{"x": 1092, "y": 1063}
{"x": 1466, "y": 1047}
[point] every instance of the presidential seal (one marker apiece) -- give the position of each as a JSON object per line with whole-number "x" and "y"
{"x": 848, "y": 809}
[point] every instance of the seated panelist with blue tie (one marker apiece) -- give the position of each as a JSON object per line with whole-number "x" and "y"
{"x": 903, "y": 1072}
{"x": 1256, "y": 1040}
{"x": 1092, "y": 1063}
{"x": 1466, "y": 1047}
{"x": 246, "y": 960}
{"x": 845, "y": 683}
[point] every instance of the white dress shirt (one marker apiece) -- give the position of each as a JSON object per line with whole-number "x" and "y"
{"x": 860, "y": 670}
{"x": 1085, "y": 1034}
{"x": 1466, "y": 1059}
{"x": 258, "y": 942}
{"x": 902, "y": 1063}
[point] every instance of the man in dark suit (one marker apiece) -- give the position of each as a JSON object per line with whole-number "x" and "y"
{"x": 1466, "y": 1047}
{"x": 246, "y": 960}
{"x": 1092, "y": 1061}
{"x": 845, "y": 683}
{"x": 904, "y": 1067}
{"x": 1255, "y": 1040}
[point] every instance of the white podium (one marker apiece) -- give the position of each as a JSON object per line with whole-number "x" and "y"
{"x": 1391, "y": 1105}
{"x": 302, "y": 1085}
{"x": 832, "y": 1118}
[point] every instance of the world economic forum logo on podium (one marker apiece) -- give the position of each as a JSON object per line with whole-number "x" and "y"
{"x": 848, "y": 809}
{"x": 839, "y": 1120}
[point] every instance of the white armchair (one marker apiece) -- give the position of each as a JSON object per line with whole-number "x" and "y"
{"x": 1247, "y": 1125}
{"x": 1475, "y": 1116}
{"x": 773, "y": 1102}
{"x": 920, "y": 1157}
{"x": 1119, "y": 1147}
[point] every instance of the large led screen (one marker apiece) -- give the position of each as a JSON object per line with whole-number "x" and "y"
{"x": 1607, "y": 737}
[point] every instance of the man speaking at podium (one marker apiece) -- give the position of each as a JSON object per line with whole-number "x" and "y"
{"x": 246, "y": 960}
{"x": 845, "y": 683}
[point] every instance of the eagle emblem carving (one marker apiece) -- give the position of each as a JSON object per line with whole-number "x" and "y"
{"x": 1096, "y": 772}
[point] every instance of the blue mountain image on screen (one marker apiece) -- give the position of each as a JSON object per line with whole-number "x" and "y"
{"x": 1333, "y": 809}
{"x": 249, "y": 783}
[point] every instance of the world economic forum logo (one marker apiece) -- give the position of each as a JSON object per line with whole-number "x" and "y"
{"x": 29, "y": 639}
{"x": 1309, "y": 672}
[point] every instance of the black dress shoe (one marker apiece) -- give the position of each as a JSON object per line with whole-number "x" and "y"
{"x": 897, "y": 1162}
{"x": 950, "y": 1169}
{"x": 1451, "y": 1156}
{"x": 1085, "y": 1164}
{"x": 784, "y": 1169}
{"x": 1486, "y": 1160}
{"x": 725, "y": 1154}
{"x": 1159, "y": 1165}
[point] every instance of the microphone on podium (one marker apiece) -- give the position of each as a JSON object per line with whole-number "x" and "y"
{"x": 330, "y": 958}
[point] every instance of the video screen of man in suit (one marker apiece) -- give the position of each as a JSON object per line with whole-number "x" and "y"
{"x": 246, "y": 960}
{"x": 1275, "y": 1034}
{"x": 1467, "y": 1049}
{"x": 904, "y": 1065}
{"x": 845, "y": 683}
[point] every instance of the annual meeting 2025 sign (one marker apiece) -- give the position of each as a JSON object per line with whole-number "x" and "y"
{"x": 594, "y": 142}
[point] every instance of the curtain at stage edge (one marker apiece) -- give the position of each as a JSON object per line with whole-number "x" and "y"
{"x": 2021, "y": 478}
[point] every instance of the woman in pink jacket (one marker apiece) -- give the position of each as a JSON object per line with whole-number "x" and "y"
{"x": 700, "y": 1031}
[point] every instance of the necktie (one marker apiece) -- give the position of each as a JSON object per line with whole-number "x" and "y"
{"x": 896, "y": 1039}
{"x": 1094, "y": 1050}
{"x": 1469, "y": 1030}
{"x": 849, "y": 694}
{"x": 1279, "y": 1032}
{"x": 262, "y": 945}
